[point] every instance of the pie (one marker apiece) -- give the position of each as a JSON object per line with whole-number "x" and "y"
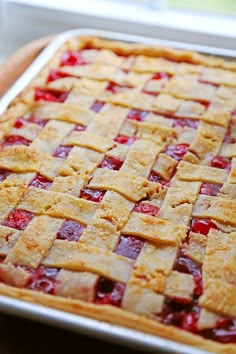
{"x": 118, "y": 190}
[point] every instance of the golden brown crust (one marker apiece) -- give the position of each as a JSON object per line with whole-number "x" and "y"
{"x": 117, "y": 316}
{"x": 129, "y": 185}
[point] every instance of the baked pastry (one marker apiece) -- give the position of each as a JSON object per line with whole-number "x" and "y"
{"x": 118, "y": 190}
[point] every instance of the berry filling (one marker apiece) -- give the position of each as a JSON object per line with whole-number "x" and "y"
{"x": 80, "y": 128}
{"x": 228, "y": 138}
{"x": 210, "y": 189}
{"x": 126, "y": 140}
{"x": 129, "y": 246}
{"x": 202, "y": 226}
{"x": 92, "y": 194}
{"x": 62, "y": 151}
{"x": 178, "y": 151}
{"x": 146, "y": 209}
{"x": 4, "y": 174}
{"x": 43, "y": 279}
{"x": 191, "y": 123}
{"x": 38, "y": 121}
{"x": 40, "y": 182}
{"x": 115, "y": 88}
{"x": 70, "y": 231}
{"x": 109, "y": 292}
{"x": 15, "y": 140}
{"x": 221, "y": 162}
{"x": 20, "y": 122}
{"x": 18, "y": 219}
{"x": 56, "y": 75}
{"x": 97, "y": 106}
{"x": 137, "y": 114}
{"x": 71, "y": 58}
{"x": 50, "y": 95}
{"x": 111, "y": 163}
{"x": 154, "y": 177}
{"x": 161, "y": 75}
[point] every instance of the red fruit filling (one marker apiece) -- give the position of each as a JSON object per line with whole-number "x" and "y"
{"x": 221, "y": 162}
{"x": 43, "y": 279}
{"x": 191, "y": 123}
{"x": 146, "y": 209}
{"x": 38, "y": 121}
{"x": 129, "y": 246}
{"x": 154, "y": 177}
{"x": 40, "y": 182}
{"x": 126, "y": 140}
{"x": 72, "y": 58}
{"x": 97, "y": 106}
{"x": 62, "y": 151}
{"x": 20, "y": 122}
{"x": 137, "y": 114}
{"x": 111, "y": 163}
{"x": 15, "y": 140}
{"x": 56, "y": 75}
{"x": 4, "y": 174}
{"x": 161, "y": 75}
{"x": 115, "y": 88}
{"x": 178, "y": 151}
{"x": 223, "y": 333}
{"x": 70, "y": 231}
{"x": 210, "y": 189}
{"x": 18, "y": 219}
{"x": 79, "y": 128}
{"x": 184, "y": 264}
{"x": 92, "y": 194}
{"x": 202, "y": 226}
{"x": 50, "y": 95}
{"x": 109, "y": 292}
{"x": 228, "y": 138}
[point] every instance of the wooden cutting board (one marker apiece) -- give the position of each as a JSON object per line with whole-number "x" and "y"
{"x": 19, "y": 61}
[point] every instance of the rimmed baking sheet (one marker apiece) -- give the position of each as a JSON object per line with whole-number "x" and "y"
{"x": 103, "y": 330}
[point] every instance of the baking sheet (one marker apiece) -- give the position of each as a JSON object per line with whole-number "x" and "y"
{"x": 103, "y": 330}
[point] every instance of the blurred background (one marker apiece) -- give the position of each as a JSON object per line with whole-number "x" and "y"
{"x": 206, "y": 22}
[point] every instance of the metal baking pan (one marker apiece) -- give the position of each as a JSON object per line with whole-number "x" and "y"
{"x": 99, "y": 329}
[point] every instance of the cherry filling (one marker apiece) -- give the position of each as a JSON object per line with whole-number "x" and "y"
{"x": 202, "y": 226}
{"x": 50, "y": 95}
{"x": 56, "y": 75}
{"x": 210, "y": 189}
{"x": 15, "y": 140}
{"x": 182, "y": 315}
{"x": 129, "y": 246}
{"x": 62, "y": 151}
{"x": 178, "y": 151}
{"x": 228, "y": 138}
{"x": 161, "y": 75}
{"x": 80, "y": 128}
{"x": 184, "y": 264}
{"x": 38, "y": 121}
{"x": 72, "y": 58}
{"x": 43, "y": 279}
{"x": 20, "y": 122}
{"x": 191, "y": 123}
{"x": 40, "y": 182}
{"x": 92, "y": 194}
{"x": 146, "y": 209}
{"x": 154, "y": 177}
{"x": 221, "y": 162}
{"x": 111, "y": 163}
{"x": 18, "y": 219}
{"x": 115, "y": 88}
{"x": 70, "y": 230}
{"x": 97, "y": 106}
{"x": 126, "y": 140}
{"x": 4, "y": 174}
{"x": 137, "y": 114}
{"x": 109, "y": 292}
